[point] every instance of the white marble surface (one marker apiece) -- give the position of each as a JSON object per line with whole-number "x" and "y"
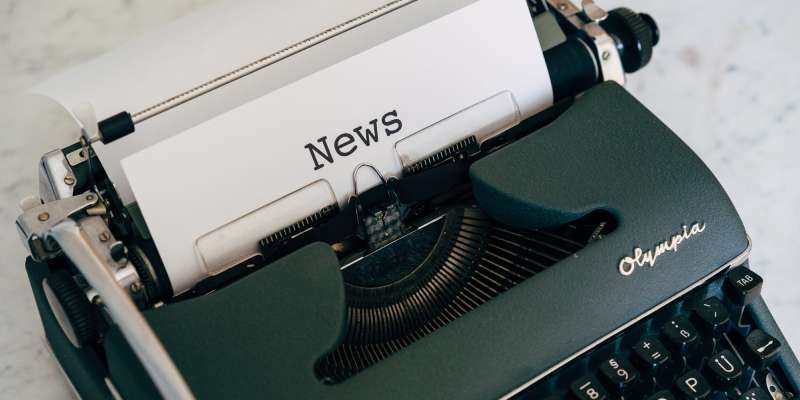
{"x": 725, "y": 77}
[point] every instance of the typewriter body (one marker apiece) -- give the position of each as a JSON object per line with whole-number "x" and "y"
{"x": 576, "y": 250}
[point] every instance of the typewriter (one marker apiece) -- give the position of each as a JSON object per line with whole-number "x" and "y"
{"x": 562, "y": 244}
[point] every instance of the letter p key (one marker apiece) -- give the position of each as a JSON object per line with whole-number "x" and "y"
{"x": 692, "y": 385}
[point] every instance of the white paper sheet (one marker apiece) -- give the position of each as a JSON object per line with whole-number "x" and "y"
{"x": 209, "y": 43}
{"x": 237, "y": 163}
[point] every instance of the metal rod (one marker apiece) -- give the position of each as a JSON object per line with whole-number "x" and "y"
{"x": 256, "y": 65}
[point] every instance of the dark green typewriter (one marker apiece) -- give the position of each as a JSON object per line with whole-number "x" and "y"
{"x": 581, "y": 252}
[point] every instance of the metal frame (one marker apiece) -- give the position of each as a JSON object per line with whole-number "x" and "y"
{"x": 77, "y": 244}
{"x": 587, "y": 18}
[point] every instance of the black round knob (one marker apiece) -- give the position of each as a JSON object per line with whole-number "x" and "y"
{"x": 653, "y": 27}
{"x": 636, "y": 35}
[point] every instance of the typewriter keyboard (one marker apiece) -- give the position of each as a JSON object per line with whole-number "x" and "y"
{"x": 704, "y": 345}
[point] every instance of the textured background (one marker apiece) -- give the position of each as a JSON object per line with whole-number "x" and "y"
{"x": 725, "y": 77}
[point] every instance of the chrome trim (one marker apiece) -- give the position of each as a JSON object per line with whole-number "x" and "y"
{"x": 734, "y": 262}
{"x": 594, "y": 59}
{"x": 607, "y": 54}
{"x": 774, "y": 387}
{"x": 77, "y": 157}
{"x": 610, "y": 61}
{"x": 76, "y": 245}
{"x": 592, "y": 11}
{"x": 35, "y": 222}
{"x": 56, "y": 178}
{"x": 113, "y": 389}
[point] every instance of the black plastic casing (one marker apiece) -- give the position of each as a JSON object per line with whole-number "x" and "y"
{"x": 261, "y": 336}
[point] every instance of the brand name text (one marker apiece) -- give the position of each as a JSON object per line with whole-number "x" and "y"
{"x": 640, "y": 257}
